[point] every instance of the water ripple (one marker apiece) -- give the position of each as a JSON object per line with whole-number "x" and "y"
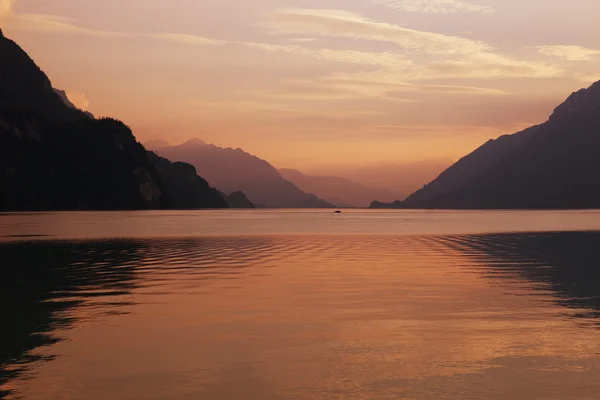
{"x": 301, "y": 316}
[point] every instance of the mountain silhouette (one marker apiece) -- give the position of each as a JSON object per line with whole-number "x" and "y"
{"x": 471, "y": 166}
{"x": 56, "y": 157}
{"x": 25, "y": 86}
{"x": 554, "y": 165}
{"x": 186, "y": 189}
{"x": 237, "y": 200}
{"x": 340, "y": 191}
{"x": 231, "y": 170}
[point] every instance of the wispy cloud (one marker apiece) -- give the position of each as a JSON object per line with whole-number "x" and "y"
{"x": 437, "y": 6}
{"x": 187, "y": 39}
{"x": 488, "y": 65}
{"x": 444, "y": 56}
{"x": 381, "y": 59}
{"x": 570, "y": 53}
{"x": 337, "y": 23}
{"x": 415, "y": 62}
{"x": 454, "y": 89}
{"x": 588, "y": 78}
{"x": 384, "y": 59}
{"x": 394, "y": 76}
{"x": 369, "y": 84}
{"x": 262, "y": 106}
{"x": 46, "y": 23}
{"x": 304, "y": 40}
{"x": 453, "y": 56}
{"x": 315, "y": 92}
{"x": 332, "y": 88}
{"x": 56, "y": 24}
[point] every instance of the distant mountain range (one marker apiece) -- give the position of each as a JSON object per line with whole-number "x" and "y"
{"x": 231, "y": 170}
{"x": 555, "y": 165}
{"x": 340, "y": 191}
{"x": 56, "y": 157}
{"x": 398, "y": 179}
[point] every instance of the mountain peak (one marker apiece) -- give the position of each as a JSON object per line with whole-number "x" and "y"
{"x": 231, "y": 170}
{"x": 195, "y": 142}
{"x": 1, "y": 33}
{"x": 25, "y": 85}
{"x": 579, "y": 101}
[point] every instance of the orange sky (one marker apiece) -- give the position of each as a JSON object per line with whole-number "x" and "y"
{"x": 317, "y": 83}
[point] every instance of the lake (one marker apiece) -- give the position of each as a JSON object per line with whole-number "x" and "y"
{"x": 268, "y": 304}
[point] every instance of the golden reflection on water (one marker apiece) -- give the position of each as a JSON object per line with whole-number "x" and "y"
{"x": 479, "y": 316}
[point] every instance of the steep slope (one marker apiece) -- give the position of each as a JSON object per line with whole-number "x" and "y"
{"x": 55, "y": 157}
{"x": 25, "y": 86}
{"x": 333, "y": 189}
{"x": 186, "y": 189}
{"x": 232, "y": 170}
{"x": 557, "y": 167}
{"x": 85, "y": 164}
{"x": 471, "y": 166}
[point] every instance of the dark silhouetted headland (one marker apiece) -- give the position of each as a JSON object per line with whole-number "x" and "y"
{"x": 186, "y": 189}
{"x": 56, "y": 157}
{"x": 23, "y": 85}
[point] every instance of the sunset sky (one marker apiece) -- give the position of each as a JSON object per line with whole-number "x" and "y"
{"x": 316, "y": 84}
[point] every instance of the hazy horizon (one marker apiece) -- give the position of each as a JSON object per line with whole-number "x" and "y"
{"x": 398, "y": 180}
{"x": 316, "y": 85}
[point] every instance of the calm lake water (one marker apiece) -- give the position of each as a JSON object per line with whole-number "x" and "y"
{"x": 300, "y": 305}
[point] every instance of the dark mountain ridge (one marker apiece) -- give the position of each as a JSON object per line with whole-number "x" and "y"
{"x": 25, "y": 86}
{"x": 56, "y": 157}
{"x": 186, "y": 188}
{"x": 471, "y": 166}
{"x": 80, "y": 164}
{"x": 551, "y": 166}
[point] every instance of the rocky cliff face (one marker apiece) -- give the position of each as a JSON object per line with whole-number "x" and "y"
{"x": 55, "y": 157}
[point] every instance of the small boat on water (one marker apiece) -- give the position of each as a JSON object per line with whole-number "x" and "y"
{"x": 337, "y": 212}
